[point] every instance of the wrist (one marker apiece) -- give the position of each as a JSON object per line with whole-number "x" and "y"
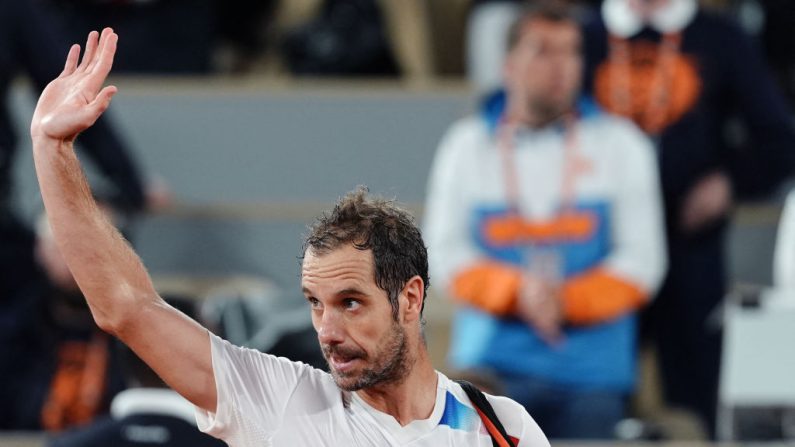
{"x": 47, "y": 143}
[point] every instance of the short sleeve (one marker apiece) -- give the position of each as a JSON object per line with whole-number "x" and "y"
{"x": 253, "y": 390}
{"x": 517, "y": 422}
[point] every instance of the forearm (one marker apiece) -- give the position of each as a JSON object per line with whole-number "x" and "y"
{"x": 110, "y": 274}
{"x": 112, "y": 278}
{"x": 488, "y": 285}
{"x": 600, "y": 295}
{"x": 592, "y": 297}
{"x": 107, "y": 150}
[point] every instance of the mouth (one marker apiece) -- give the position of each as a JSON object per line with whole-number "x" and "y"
{"x": 342, "y": 364}
{"x": 342, "y": 360}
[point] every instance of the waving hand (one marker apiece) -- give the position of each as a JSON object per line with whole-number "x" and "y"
{"x": 113, "y": 279}
{"x": 75, "y": 100}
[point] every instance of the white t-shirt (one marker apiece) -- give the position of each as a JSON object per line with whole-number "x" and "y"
{"x": 270, "y": 401}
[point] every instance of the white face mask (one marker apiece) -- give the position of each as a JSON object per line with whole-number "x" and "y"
{"x": 622, "y": 21}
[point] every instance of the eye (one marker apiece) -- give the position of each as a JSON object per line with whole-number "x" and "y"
{"x": 314, "y": 303}
{"x": 351, "y": 304}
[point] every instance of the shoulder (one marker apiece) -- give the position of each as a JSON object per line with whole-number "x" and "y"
{"x": 716, "y": 30}
{"x": 605, "y": 124}
{"x": 513, "y": 416}
{"x": 468, "y": 127}
{"x": 252, "y": 365}
{"x": 708, "y": 20}
{"x": 464, "y": 138}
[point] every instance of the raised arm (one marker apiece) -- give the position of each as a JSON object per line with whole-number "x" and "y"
{"x": 115, "y": 283}
{"x": 32, "y": 35}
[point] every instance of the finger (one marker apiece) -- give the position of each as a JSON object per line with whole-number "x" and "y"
{"x": 690, "y": 213}
{"x": 91, "y": 48}
{"x": 99, "y": 69}
{"x": 549, "y": 333}
{"x": 103, "y": 61}
{"x": 101, "y": 41}
{"x": 103, "y": 98}
{"x": 101, "y": 103}
{"x": 71, "y": 60}
{"x": 692, "y": 217}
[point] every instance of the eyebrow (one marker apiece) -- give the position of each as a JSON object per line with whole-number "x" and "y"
{"x": 348, "y": 291}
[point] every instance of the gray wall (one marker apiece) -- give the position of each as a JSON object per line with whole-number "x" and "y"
{"x": 232, "y": 155}
{"x": 239, "y": 159}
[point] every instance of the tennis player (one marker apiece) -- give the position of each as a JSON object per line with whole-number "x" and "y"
{"x": 364, "y": 274}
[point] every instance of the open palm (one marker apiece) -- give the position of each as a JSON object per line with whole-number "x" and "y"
{"x": 74, "y": 100}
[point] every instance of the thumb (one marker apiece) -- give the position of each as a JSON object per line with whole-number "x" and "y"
{"x": 102, "y": 101}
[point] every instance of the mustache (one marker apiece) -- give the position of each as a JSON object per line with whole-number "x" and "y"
{"x": 344, "y": 352}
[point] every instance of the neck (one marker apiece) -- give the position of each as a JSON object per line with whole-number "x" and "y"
{"x": 533, "y": 117}
{"x": 410, "y": 399}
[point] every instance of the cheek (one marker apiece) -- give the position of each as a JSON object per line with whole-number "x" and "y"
{"x": 315, "y": 320}
{"x": 369, "y": 335}
{"x": 576, "y": 68}
{"x": 520, "y": 72}
{"x": 537, "y": 76}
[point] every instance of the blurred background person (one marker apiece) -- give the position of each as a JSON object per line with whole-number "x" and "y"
{"x": 177, "y": 36}
{"x": 772, "y": 23}
{"x": 29, "y": 44}
{"x": 51, "y": 356}
{"x": 57, "y": 367}
{"x": 148, "y": 413}
{"x": 345, "y": 38}
{"x": 543, "y": 220}
{"x": 243, "y": 27}
{"x": 488, "y": 22}
{"x": 684, "y": 75}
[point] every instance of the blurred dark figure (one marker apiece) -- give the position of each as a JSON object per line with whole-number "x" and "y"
{"x": 158, "y": 36}
{"x": 243, "y": 26}
{"x": 146, "y": 414}
{"x": 778, "y": 38}
{"x": 57, "y": 367}
{"x": 348, "y": 37}
{"x": 696, "y": 84}
{"x": 30, "y": 44}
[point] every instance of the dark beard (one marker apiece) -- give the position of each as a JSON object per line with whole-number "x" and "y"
{"x": 546, "y": 113}
{"x": 391, "y": 365}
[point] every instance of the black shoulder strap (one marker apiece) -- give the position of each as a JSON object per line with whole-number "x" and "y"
{"x": 486, "y": 411}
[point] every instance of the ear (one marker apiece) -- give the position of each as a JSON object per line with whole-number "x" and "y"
{"x": 411, "y": 299}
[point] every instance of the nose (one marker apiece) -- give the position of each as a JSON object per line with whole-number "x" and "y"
{"x": 330, "y": 330}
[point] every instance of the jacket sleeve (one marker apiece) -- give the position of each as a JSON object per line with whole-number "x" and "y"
{"x": 633, "y": 271}
{"x": 624, "y": 281}
{"x": 447, "y": 221}
{"x": 770, "y": 156}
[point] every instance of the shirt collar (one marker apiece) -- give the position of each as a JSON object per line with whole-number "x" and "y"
{"x": 623, "y": 22}
{"x": 414, "y": 429}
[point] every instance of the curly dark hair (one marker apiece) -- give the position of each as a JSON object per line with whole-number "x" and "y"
{"x": 380, "y": 225}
